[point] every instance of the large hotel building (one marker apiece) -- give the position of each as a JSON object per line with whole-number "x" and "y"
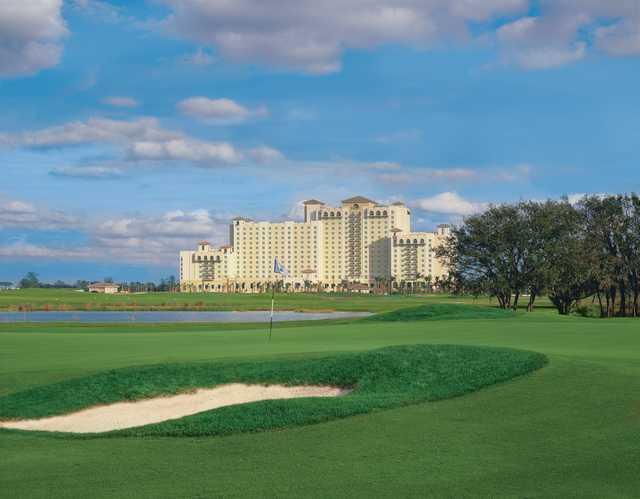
{"x": 360, "y": 244}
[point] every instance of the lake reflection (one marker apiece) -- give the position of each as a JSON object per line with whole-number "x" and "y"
{"x": 177, "y": 316}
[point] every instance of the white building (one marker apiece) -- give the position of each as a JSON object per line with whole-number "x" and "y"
{"x": 358, "y": 243}
{"x": 103, "y": 287}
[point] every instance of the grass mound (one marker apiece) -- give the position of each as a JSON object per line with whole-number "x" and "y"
{"x": 442, "y": 311}
{"x": 384, "y": 378}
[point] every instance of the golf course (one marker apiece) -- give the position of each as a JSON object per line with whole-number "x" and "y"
{"x": 444, "y": 396}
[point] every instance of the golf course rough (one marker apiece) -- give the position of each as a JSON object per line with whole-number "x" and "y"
{"x": 380, "y": 379}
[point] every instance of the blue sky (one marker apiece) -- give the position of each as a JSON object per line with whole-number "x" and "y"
{"x": 132, "y": 129}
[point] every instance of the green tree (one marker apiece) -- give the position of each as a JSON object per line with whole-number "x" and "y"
{"x": 81, "y": 284}
{"x": 30, "y": 281}
{"x": 614, "y": 239}
{"x": 569, "y": 261}
{"x": 487, "y": 254}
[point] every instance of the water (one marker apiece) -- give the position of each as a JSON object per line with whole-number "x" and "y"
{"x": 178, "y": 316}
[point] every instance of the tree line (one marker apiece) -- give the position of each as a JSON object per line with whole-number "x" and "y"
{"x": 31, "y": 280}
{"x": 569, "y": 252}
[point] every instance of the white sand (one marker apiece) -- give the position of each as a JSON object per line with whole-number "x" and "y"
{"x": 130, "y": 414}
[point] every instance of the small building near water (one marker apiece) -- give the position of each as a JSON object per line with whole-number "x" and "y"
{"x": 104, "y": 287}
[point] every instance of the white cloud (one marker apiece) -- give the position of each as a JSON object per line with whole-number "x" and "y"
{"x": 199, "y": 58}
{"x": 93, "y": 130}
{"x": 173, "y": 224}
{"x": 428, "y": 174}
{"x": 141, "y": 239}
{"x": 382, "y": 165}
{"x": 121, "y": 101}
{"x": 296, "y": 212}
{"x": 518, "y": 30}
{"x": 88, "y": 172}
{"x": 219, "y": 111}
{"x": 16, "y": 207}
{"x": 512, "y": 174}
{"x": 550, "y": 57}
{"x": 620, "y": 39}
{"x": 17, "y": 213}
{"x": 454, "y": 175}
{"x": 544, "y": 42}
{"x": 557, "y": 36}
{"x": 142, "y": 139}
{"x": 311, "y": 36}
{"x": 449, "y": 203}
{"x": 185, "y": 149}
{"x": 266, "y": 154}
{"x": 31, "y": 34}
{"x": 25, "y": 250}
{"x": 103, "y": 10}
{"x": 157, "y": 238}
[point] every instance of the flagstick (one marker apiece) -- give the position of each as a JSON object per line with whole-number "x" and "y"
{"x": 273, "y": 296}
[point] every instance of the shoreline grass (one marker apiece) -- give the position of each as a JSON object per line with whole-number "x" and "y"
{"x": 68, "y": 300}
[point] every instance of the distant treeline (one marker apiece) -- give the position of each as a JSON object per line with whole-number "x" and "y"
{"x": 31, "y": 280}
{"x": 568, "y": 252}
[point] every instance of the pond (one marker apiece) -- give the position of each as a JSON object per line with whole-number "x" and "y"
{"x": 177, "y": 316}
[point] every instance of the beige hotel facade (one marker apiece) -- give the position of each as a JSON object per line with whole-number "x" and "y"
{"x": 360, "y": 244}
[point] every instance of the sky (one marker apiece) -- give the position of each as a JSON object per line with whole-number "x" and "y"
{"x": 132, "y": 129}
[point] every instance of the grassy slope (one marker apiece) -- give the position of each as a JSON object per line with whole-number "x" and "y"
{"x": 380, "y": 379}
{"x": 572, "y": 429}
{"x": 441, "y": 311}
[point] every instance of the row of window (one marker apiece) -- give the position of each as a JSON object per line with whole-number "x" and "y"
{"x": 211, "y": 258}
{"x": 338, "y": 214}
{"x": 408, "y": 241}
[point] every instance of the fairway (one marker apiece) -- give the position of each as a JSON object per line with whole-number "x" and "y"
{"x": 571, "y": 429}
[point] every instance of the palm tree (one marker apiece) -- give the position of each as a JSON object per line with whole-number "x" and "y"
{"x": 428, "y": 282}
{"x": 392, "y": 284}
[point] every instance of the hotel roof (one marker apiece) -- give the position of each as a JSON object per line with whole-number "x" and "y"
{"x": 358, "y": 199}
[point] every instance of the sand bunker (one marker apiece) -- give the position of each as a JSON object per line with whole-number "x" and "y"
{"x": 130, "y": 414}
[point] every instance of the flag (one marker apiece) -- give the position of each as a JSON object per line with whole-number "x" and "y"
{"x": 278, "y": 268}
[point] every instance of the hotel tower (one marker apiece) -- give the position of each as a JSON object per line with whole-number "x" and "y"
{"x": 361, "y": 245}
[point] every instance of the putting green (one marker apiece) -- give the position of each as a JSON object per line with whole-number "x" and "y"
{"x": 379, "y": 379}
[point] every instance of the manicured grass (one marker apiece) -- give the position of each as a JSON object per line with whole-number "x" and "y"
{"x": 65, "y": 299}
{"x": 571, "y": 429}
{"x": 441, "y": 311}
{"x": 380, "y": 379}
